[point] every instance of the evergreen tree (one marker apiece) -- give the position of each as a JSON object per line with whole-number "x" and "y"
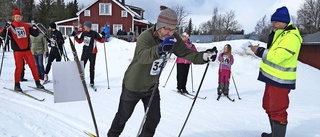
{"x": 44, "y": 13}
{"x": 27, "y": 10}
{"x": 189, "y": 29}
{"x": 6, "y": 7}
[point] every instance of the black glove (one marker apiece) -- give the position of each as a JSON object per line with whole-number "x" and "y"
{"x": 47, "y": 54}
{"x": 212, "y": 54}
{"x": 211, "y": 50}
{"x": 73, "y": 33}
{"x": 166, "y": 44}
{"x": 103, "y": 34}
{"x": 7, "y": 25}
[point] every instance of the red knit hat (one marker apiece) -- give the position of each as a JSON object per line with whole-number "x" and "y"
{"x": 16, "y": 11}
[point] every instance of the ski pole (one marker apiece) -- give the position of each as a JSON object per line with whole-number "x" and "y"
{"x": 155, "y": 88}
{"x": 5, "y": 41}
{"x": 196, "y": 96}
{"x": 191, "y": 78}
{"x": 235, "y": 86}
{"x": 65, "y": 52}
{"x": 169, "y": 74}
{"x": 76, "y": 59}
{"x": 105, "y": 58}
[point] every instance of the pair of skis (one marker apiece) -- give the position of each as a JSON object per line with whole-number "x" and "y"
{"x": 31, "y": 96}
{"x": 190, "y": 96}
{"x": 232, "y": 100}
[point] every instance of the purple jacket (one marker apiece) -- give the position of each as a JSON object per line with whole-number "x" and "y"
{"x": 184, "y": 61}
{"x": 224, "y": 62}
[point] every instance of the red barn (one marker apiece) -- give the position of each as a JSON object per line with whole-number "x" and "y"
{"x": 310, "y": 50}
{"x": 120, "y": 16}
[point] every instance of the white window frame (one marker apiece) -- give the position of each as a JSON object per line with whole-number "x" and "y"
{"x": 95, "y": 27}
{"x": 116, "y": 27}
{"x": 124, "y": 13}
{"x": 105, "y": 12}
{"x": 87, "y": 13}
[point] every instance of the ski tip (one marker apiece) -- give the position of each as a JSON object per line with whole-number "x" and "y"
{"x": 89, "y": 134}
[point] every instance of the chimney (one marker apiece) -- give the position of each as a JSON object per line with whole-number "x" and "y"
{"x": 123, "y": 2}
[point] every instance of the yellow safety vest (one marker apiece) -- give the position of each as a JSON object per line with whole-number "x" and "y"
{"x": 279, "y": 63}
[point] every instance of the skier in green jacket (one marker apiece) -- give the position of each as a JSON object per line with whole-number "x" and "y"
{"x": 142, "y": 74}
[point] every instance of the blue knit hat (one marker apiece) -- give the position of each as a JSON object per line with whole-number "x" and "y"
{"x": 281, "y": 15}
{"x": 88, "y": 24}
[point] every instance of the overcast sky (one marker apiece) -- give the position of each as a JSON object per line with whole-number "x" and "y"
{"x": 248, "y": 12}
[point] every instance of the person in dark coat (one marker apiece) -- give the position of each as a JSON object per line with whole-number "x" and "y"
{"x": 89, "y": 51}
{"x": 56, "y": 42}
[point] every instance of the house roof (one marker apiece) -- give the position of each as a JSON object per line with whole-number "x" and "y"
{"x": 66, "y": 20}
{"x": 127, "y": 8}
{"x": 312, "y": 39}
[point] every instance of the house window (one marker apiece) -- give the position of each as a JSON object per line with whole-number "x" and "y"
{"x": 105, "y": 9}
{"x": 116, "y": 28}
{"x": 124, "y": 13}
{"x": 95, "y": 27}
{"x": 68, "y": 30}
{"x": 62, "y": 30}
{"x": 87, "y": 13}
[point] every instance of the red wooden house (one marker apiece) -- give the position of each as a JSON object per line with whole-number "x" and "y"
{"x": 310, "y": 50}
{"x": 120, "y": 16}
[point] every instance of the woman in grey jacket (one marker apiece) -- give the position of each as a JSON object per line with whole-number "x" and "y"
{"x": 39, "y": 48}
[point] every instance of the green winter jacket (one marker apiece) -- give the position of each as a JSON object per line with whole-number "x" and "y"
{"x": 38, "y": 44}
{"x": 137, "y": 77}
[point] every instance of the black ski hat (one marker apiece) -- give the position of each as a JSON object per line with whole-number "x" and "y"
{"x": 53, "y": 25}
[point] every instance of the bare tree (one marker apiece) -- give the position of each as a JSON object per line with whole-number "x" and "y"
{"x": 221, "y": 25}
{"x": 182, "y": 13}
{"x": 263, "y": 29}
{"x": 309, "y": 16}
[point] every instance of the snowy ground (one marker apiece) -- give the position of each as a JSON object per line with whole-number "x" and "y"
{"x": 24, "y": 117}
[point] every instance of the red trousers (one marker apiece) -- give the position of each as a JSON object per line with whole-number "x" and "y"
{"x": 276, "y": 102}
{"x": 224, "y": 76}
{"x": 28, "y": 57}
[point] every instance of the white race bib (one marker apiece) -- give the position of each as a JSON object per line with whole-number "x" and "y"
{"x": 86, "y": 40}
{"x": 21, "y": 32}
{"x": 157, "y": 65}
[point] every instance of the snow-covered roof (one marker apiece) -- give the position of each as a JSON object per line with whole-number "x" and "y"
{"x": 142, "y": 21}
{"x": 66, "y": 20}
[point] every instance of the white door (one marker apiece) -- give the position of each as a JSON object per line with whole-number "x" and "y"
{"x": 116, "y": 27}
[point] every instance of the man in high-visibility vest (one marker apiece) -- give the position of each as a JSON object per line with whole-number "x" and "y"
{"x": 278, "y": 70}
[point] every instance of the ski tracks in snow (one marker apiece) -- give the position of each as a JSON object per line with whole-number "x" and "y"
{"x": 48, "y": 122}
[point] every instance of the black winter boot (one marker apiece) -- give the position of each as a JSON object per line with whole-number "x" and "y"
{"x": 264, "y": 134}
{"x": 17, "y": 87}
{"x": 279, "y": 129}
{"x": 39, "y": 85}
{"x": 226, "y": 89}
{"x": 220, "y": 88}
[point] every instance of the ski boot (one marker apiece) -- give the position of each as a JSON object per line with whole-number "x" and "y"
{"x": 180, "y": 91}
{"x": 184, "y": 91}
{"x": 220, "y": 88}
{"x": 17, "y": 87}
{"x": 226, "y": 90}
{"x": 39, "y": 85}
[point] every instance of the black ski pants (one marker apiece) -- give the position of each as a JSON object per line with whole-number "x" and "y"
{"x": 54, "y": 55}
{"x": 182, "y": 75}
{"x": 92, "y": 58}
{"x": 128, "y": 101}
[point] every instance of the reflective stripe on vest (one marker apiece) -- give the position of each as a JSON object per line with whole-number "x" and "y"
{"x": 282, "y": 81}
